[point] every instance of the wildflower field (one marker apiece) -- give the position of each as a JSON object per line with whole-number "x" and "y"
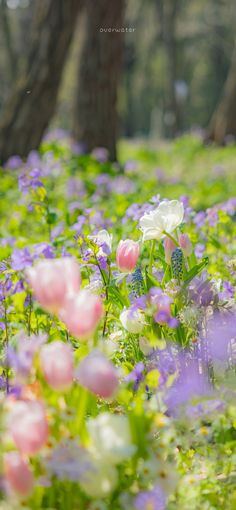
{"x": 118, "y": 328}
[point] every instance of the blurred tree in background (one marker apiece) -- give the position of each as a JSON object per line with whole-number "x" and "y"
{"x": 32, "y": 101}
{"x": 95, "y": 115}
{"x": 178, "y": 70}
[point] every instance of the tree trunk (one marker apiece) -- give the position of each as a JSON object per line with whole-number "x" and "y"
{"x": 95, "y": 123}
{"x": 7, "y": 34}
{"x": 169, "y": 16}
{"x": 33, "y": 100}
{"x": 223, "y": 121}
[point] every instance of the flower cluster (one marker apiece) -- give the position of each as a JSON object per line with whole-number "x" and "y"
{"x": 118, "y": 352}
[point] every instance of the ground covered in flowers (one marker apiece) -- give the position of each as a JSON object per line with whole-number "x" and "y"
{"x": 118, "y": 328}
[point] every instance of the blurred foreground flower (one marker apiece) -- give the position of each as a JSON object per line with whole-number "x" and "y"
{"x": 18, "y": 474}
{"x": 221, "y": 335}
{"x": 132, "y": 320}
{"x": 97, "y": 374}
{"x": 28, "y": 426}
{"x": 54, "y": 281}
{"x": 150, "y": 500}
{"x": 57, "y": 365}
{"x": 111, "y": 438}
{"x": 82, "y": 313}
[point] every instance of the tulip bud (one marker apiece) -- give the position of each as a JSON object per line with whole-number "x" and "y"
{"x": 185, "y": 244}
{"x": 169, "y": 247}
{"x": 57, "y": 365}
{"x": 54, "y": 281}
{"x": 82, "y": 314}
{"x": 28, "y": 426}
{"x": 18, "y": 474}
{"x": 132, "y": 321}
{"x": 97, "y": 374}
{"x": 127, "y": 255}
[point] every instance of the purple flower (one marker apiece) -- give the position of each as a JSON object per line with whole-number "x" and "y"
{"x": 199, "y": 219}
{"x": 229, "y": 206}
{"x": 33, "y": 158}
{"x": 19, "y": 287}
{"x": 191, "y": 382}
{"x": 3, "y": 267}
{"x": 221, "y": 335}
{"x": 43, "y": 249}
{"x": 75, "y": 187}
{"x": 130, "y": 166}
{"x": 35, "y": 173}
{"x": 212, "y": 216}
{"x": 136, "y": 376}
{"x": 199, "y": 250}
{"x": 100, "y": 154}
{"x": 228, "y": 290}
{"x": 13, "y": 162}
{"x": 57, "y": 231}
{"x": 78, "y": 226}
{"x": 185, "y": 200}
{"x": 23, "y": 183}
{"x": 5, "y": 288}
{"x": 121, "y": 185}
{"x": 205, "y": 408}
{"x": 21, "y": 259}
{"x": 3, "y": 383}
{"x": 162, "y": 304}
{"x": 77, "y": 148}
{"x": 154, "y": 499}
{"x": 68, "y": 461}
{"x": 29, "y": 181}
{"x": 160, "y": 175}
{"x": 102, "y": 260}
{"x": 202, "y": 291}
{"x": 21, "y": 357}
{"x": 165, "y": 361}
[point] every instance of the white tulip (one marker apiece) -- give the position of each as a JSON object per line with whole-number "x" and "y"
{"x": 165, "y": 218}
{"x": 111, "y": 438}
{"x": 133, "y": 321}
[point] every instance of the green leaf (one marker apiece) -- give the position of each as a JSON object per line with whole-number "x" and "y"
{"x": 117, "y": 296}
{"x": 195, "y": 270}
{"x": 151, "y": 281}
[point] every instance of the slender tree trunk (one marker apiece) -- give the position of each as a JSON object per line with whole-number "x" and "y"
{"x": 95, "y": 122}
{"x": 169, "y": 16}
{"x": 223, "y": 121}
{"x": 7, "y": 33}
{"x": 32, "y": 103}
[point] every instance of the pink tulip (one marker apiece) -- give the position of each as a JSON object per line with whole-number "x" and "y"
{"x": 57, "y": 365}
{"x": 18, "y": 474}
{"x": 82, "y": 314}
{"x": 54, "y": 281}
{"x": 97, "y": 374}
{"x": 169, "y": 247}
{"x": 28, "y": 426}
{"x": 127, "y": 255}
{"x": 185, "y": 244}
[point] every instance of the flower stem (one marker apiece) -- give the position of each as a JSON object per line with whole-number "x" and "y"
{"x": 151, "y": 257}
{"x": 83, "y": 401}
{"x": 6, "y": 343}
{"x": 171, "y": 237}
